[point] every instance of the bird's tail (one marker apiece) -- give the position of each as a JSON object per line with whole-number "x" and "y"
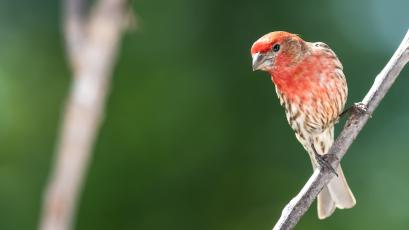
{"x": 336, "y": 194}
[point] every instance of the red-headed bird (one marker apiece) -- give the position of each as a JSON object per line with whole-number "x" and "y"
{"x": 312, "y": 89}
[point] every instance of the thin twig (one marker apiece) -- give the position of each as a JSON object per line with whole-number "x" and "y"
{"x": 297, "y": 207}
{"x": 91, "y": 49}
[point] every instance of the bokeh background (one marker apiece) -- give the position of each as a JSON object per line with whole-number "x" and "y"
{"x": 193, "y": 139}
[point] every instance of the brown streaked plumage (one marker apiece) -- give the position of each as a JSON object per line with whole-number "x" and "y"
{"x": 312, "y": 89}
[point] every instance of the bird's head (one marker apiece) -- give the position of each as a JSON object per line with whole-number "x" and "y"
{"x": 277, "y": 49}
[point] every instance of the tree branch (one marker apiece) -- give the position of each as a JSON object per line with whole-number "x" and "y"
{"x": 91, "y": 49}
{"x": 297, "y": 207}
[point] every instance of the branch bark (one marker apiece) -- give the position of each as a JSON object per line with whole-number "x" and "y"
{"x": 91, "y": 46}
{"x": 297, "y": 207}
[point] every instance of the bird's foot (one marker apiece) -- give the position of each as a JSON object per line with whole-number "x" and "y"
{"x": 358, "y": 108}
{"x": 324, "y": 160}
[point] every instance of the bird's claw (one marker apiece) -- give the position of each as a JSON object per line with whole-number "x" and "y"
{"x": 361, "y": 108}
{"x": 324, "y": 160}
{"x": 358, "y": 108}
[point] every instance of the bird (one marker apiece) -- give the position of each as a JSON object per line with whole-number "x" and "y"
{"x": 311, "y": 86}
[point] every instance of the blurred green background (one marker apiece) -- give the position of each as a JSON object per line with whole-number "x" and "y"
{"x": 193, "y": 139}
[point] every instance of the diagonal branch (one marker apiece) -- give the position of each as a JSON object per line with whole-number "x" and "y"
{"x": 92, "y": 43}
{"x": 297, "y": 207}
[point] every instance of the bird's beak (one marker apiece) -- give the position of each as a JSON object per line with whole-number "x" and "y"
{"x": 258, "y": 61}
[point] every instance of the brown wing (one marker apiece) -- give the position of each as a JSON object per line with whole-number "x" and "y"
{"x": 332, "y": 99}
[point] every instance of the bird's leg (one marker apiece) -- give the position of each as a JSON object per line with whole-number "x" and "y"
{"x": 322, "y": 160}
{"x": 359, "y": 108}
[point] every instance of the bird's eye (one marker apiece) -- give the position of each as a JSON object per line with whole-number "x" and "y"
{"x": 276, "y": 47}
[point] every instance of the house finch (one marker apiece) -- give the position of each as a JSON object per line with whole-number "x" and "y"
{"x": 312, "y": 89}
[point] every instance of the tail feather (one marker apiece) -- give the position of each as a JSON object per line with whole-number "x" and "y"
{"x": 340, "y": 191}
{"x": 335, "y": 194}
{"x": 325, "y": 204}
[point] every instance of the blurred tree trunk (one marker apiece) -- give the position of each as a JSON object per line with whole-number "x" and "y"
{"x": 91, "y": 45}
